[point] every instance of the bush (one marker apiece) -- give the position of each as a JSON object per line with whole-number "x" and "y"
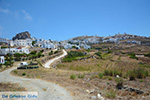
{"x": 132, "y": 55}
{"x": 23, "y": 74}
{"x": 15, "y": 71}
{"x": 98, "y": 54}
{"x": 72, "y": 76}
{"x": 109, "y": 78}
{"x": 72, "y": 56}
{"x": 131, "y": 76}
{"x": 100, "y": 75}
{"x": 147, "y": 55}
{"x": 111, "y": 94}
{"x": 3, "y": 47}
{"x": 141, "y": 80}
{"x": 56, "y": 52}
{"x": 109, "y": 51}
{"x": 80, "y": 76}
{"x": 138, "y": 73}
{"x": 50, "y": 53}
{"x": 119, "y": 83}
{"x": 112, "y": 73}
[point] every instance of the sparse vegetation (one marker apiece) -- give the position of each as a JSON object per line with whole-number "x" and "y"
{"x": 147, "y": 55}
{"x": 137, "y": 73}
{"x": 80, "y": 76}
{"x": 112, "y": 72}
{"x": 98, "y": 54}
{"x": 132, "y": 55}
{"x": 10, "y": 87}
{"x": 119, "y": 83}
{"x": 111, "y": 94}
{"x": 73, "y": 77}
{"x": 23, "y": 74}
{"x": 50, "y": 53}
{"x": 15, "y": 71}
{"x": 72, "y": 55}
{"x": 100, "y": 75}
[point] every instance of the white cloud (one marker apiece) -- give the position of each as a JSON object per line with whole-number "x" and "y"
{"x": 26, "y": 15}
{"x": 6, "y": 11}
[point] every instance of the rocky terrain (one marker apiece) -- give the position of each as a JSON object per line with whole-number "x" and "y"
{"x": 22, "y": 35}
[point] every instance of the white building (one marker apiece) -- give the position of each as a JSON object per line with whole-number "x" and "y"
{"x": 23, "y": 42}
{"x": 2, "y": 60}
{"x": 4, "y": 40}
{"x": 44, "y": 43}
{"x": 13, "y": 51}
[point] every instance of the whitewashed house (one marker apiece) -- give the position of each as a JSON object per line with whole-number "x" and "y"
{"x": 13, "y": 51}
{"x": 44, "y": 43}
{"x": 23, "y": 42}
{"x": 4, "y": 40}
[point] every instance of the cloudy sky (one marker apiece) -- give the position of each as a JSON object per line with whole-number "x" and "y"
{"x": 64, "y": 19}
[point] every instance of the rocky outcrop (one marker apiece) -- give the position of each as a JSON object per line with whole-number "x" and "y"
{"x": 22, "y": 35}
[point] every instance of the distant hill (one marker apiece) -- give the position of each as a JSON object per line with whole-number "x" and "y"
{"x": 83, "y": 37}
{"x": 22, "y": 35}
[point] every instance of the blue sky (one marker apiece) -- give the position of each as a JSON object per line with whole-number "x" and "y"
{"x": 64, "y": 19}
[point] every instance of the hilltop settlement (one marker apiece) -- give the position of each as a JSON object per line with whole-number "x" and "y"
{"x": 95, "y": 67}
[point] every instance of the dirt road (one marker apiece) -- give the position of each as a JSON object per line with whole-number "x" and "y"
{"x": 46, "y": 90}
{"x": 56, "y": 58}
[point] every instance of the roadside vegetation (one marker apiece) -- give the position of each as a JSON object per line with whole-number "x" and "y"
{"x": 113, "y": 73}
{"x": 73, "y": 55}
{"x": 10, "y": 87}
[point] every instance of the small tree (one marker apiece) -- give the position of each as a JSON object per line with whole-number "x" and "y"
{"x": 33, "y": 42}
{"x": 74, "y": 47}
{"x": 6, "y": 63}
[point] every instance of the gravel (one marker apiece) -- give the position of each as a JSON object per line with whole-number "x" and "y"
{"x": 46, "y": 90}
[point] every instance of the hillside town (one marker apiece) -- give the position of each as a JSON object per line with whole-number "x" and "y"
{"x": 23, "y": 41}
{"x": 82, "y": 64}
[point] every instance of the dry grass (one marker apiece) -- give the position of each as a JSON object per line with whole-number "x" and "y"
{"x": 10, "y": 87}
{"x": 90, "y": 69}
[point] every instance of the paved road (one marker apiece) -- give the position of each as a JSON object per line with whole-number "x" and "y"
{"x": 53, "y": 91}
{"x": 47, "y": 65}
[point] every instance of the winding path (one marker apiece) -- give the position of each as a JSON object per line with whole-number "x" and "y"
{"x": 46, "y": 90}
{"x": 47, "y": 65}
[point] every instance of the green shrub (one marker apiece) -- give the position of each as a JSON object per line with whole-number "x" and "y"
{"x": 132, "y": 55}
{"x": 109, "y": 51}
{"x": 23, "y": 74}
{"x": 106, "y": 72}
{"x": 141, "y": 80}
{"x": 15, "y": 71}
{"x": 138, "y": 73}
{"x": 112, "y": 73}
{"x": 119, "y": 83}
{"x": 50, "y": 53}
{"x": 131, "y": 76}
{"x": 3, "y": 47}
{"x": 147, "y": 55}
{"x": 109, "y": 78}
{"x": 105, "y": 77}
{"x": 72, "y": 55}
{"x": 98, "y": 54}
{"x": 72, "y": 76}
{"x": 111, "y": 94}
{"x": 80, "y": 76}
{"x": 100, "y": 75}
